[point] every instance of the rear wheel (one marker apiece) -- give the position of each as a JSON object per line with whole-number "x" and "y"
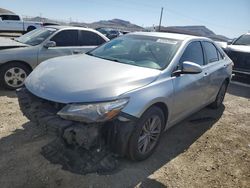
{"x": 220, "y": 96}
{"x": 12, "y": 75}
{"x": 147, "y": 134}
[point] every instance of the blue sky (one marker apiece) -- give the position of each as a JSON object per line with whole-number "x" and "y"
{"x": 227, "y": 17}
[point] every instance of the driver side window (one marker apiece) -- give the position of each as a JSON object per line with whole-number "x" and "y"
{"x": 66, "y": 38}
{"x": 193, "y": 53}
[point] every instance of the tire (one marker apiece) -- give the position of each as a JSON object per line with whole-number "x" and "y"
{"x": 12, "y": 75}
{"x": 136, "y": 149}
{"x": 220, "y": 96}
{"x": 30, "y": 28}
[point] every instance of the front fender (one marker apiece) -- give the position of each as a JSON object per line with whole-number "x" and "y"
{"x": 141, "y": 99}
{"x": 22, "y": 54}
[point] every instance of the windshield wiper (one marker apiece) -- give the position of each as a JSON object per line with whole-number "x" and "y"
{"x": 106, "y": 58}
{"x": 110, "y": 59}
{"x": 17, "y": 40}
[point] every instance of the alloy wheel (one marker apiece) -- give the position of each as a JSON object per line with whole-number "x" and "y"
{"x": 150, "y": 134}
{"x": 14, "y": 77}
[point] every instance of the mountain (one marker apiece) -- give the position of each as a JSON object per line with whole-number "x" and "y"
{"x": 116, "y": 24}
{"x": 198, "y": 30}
{"x": 4, "y": 11}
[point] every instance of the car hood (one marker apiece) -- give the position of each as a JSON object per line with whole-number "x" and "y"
{"x": 84, "y": 78}
{"x": 239, "y": 48}
{"x": 6, "y": 43}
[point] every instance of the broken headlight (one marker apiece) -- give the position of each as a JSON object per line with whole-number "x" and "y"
{"x": 95, "y": 112}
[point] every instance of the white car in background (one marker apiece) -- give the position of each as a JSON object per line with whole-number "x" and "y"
{"x": 14, "y": 23}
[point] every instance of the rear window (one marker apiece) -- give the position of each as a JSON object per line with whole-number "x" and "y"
{"x": 211, "y": 52}
{"x": 88, "y": 38}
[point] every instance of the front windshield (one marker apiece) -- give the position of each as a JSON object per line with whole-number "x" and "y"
{"x": 36, "y": 36}
{"x": 243, "y": 40}
{"x": 143, "y": 51}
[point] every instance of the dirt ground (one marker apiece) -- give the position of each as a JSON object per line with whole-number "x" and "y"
{"x": 209, "y": 149}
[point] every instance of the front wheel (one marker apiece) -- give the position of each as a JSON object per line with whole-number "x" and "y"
{"x": 147, "y": 134}
{"x": 12, "y": 75}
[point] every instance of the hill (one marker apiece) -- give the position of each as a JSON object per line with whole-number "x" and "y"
{"x": 4, "y": 11}
{"x": 195, "y": 30}
{"x": 117, "y": 24}
{"x": 120, "y": 24}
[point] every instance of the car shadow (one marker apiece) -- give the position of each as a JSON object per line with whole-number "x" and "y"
{"x": 173, "y": 142}
{"x": 239, "y": 90}
{"x": 7, "y": 93}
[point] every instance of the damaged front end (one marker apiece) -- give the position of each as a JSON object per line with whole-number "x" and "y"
{"x": 106, "y": 136}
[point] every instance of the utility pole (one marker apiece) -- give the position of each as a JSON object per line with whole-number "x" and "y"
{"x": 160, "y": 19}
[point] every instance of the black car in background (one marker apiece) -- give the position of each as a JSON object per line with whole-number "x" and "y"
{"x": 109, "y": 32}
{"x": 239, "y": 52}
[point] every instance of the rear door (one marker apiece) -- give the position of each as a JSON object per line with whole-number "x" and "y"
{"x": 190, "y": 89}
{"x": 215, "y": 68}
{"x": 66, "y": 44}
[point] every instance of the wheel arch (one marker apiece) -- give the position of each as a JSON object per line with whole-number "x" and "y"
{"x": 227, "y": 80}
{"x": 17, "y": 61}
{"x": 30, "y": 28}
{"x": 163, "y": 106}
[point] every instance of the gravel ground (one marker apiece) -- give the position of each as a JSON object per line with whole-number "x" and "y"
{"x": 209, "y": 149}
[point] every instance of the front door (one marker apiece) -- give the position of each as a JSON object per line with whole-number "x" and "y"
{"x": 190, "y": 90}
{"x": 66, "y": 44}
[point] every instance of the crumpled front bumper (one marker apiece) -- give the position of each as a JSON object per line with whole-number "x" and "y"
{"x": 114, "y": 134}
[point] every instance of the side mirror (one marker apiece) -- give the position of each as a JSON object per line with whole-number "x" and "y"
{"x": 1, "y": 19}
{"x": 50, "y": 44}
{"x": 188, "y": 68}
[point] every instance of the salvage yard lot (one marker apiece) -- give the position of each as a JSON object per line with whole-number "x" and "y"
{"x": 209, "y": 149}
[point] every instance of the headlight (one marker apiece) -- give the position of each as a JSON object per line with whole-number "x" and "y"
{"x": 96, "y": 112}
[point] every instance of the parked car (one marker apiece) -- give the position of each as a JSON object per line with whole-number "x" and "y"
{"x": 14, "y": 23}
{"x": 126, "y": 92}
{"x": 239, "y": 52}
{"x": 109, "y": 32}
{"x": 19, "y": 56}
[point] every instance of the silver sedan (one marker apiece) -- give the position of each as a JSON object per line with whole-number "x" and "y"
{"x": 143, "y": 83}
{"x": 18, "y": 57}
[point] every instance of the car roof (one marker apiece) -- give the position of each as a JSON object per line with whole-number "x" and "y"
{"x": 69, "y": 27}
{"x": 62, "y": 27}
{"x": 168, "y": 35}
{"x": 8, "y": 13}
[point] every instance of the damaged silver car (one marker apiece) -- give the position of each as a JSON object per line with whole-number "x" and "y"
{"x": 125, "y": 93}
